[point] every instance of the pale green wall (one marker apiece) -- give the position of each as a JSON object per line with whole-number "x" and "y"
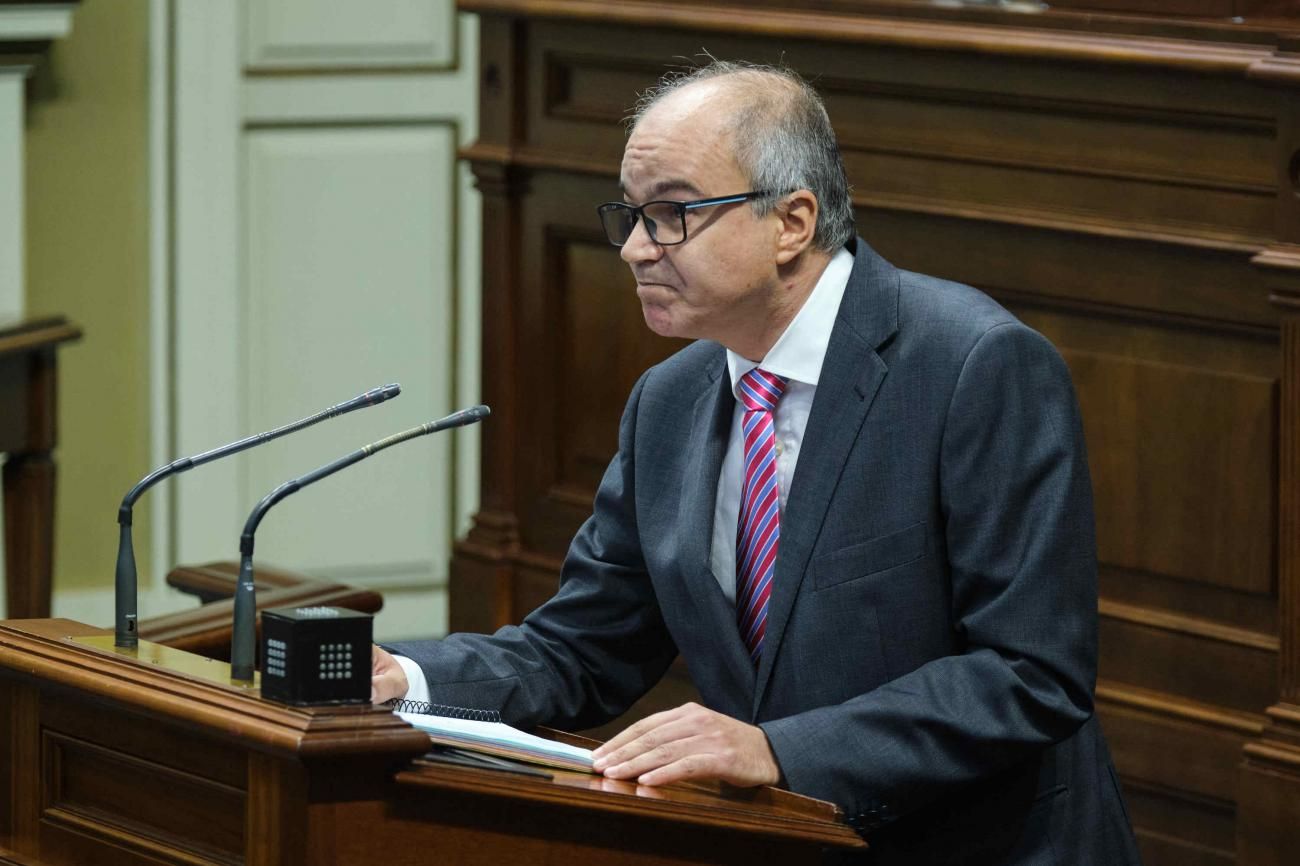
{"x": 87, "y": 258}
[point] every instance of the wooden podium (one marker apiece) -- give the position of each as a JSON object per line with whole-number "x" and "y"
{"x": 109, "y": 758}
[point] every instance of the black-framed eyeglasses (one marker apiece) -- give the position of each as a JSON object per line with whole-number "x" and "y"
{"x": 665, "y": 221}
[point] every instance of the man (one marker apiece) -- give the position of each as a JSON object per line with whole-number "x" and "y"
{"x": 858, "y": 506}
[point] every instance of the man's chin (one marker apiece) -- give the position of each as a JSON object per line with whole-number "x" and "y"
{"x": 658, "y": 319}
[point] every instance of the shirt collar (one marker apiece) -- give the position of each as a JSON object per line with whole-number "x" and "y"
{"x": 799, "y": 352}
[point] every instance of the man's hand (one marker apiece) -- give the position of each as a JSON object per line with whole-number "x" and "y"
{"x": 689, "y": 742}
{"x": 387, "y": 679}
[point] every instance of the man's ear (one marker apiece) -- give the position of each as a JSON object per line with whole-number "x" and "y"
{"x": 798, "y": 215}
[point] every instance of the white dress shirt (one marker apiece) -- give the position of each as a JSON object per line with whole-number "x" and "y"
{"x": 797, "y": 356}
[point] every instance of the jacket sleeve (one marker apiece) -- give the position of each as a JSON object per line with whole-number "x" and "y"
{"x": 589, "y": 652}
{"x": 1016, "y": 502}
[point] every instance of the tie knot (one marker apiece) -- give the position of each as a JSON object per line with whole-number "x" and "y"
{"x": 759, "y": 390}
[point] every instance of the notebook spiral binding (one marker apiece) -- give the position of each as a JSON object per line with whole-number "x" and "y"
{"x": 426, "y": 709}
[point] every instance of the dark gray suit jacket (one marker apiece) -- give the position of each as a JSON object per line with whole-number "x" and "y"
{"x": 931, "y": 641}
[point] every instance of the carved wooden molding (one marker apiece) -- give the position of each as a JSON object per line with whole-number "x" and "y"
{"x": 498, "y": 172}
{"x": 1176, "y": 707}
{"x": 489, "y": 160}
{"x": 42, "y": 650}
{"x": 771, "y": 813}
{"x": 1281, "y": 265}
{"x": 495, "y": 530}
{"x": 1044, "y": 36}
{"x": 1280, "y": 68}
{"x": 1188, "y": 625}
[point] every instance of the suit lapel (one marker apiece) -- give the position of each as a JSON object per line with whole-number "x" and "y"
{"x": 851, "y": 375}
{"x": 710, "y": 431}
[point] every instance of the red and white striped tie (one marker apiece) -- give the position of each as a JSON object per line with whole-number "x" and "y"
{"x": 759, "y": 527}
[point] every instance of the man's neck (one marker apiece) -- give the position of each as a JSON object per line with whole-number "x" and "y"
{"x": 797, "y": 280}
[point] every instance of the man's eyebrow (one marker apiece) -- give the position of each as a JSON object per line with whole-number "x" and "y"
{"x": 662, "y": 187}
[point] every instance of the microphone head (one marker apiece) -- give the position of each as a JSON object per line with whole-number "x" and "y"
{"x": 472, "y": 415}
{"x": 373, "y": 397}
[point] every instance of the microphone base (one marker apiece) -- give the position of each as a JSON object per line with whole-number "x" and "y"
{"x": 177, "y": 661}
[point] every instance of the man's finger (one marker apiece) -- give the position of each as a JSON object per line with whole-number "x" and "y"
{"x": 653, "y": 738}
{"x": 631, "y": 733}
{"x": 691, "y": 766}
{"x": 638, "y": 765}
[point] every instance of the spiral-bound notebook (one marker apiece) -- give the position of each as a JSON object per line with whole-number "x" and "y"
{"x": 483, "y": 731}
{"x": 426, "y": 709}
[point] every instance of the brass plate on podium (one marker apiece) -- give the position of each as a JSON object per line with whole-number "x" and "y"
{"x": 177, "y": 661}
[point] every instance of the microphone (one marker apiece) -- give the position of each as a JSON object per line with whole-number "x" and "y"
{"x": 244, "y": 636}
{"x": 124, "y": 587}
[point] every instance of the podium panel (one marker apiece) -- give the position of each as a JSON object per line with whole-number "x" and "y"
{"x": 108, "y": 758}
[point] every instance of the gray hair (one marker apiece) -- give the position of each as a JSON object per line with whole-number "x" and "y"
{"x": 782, "y": 138}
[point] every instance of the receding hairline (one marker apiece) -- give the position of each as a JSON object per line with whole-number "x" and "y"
{"x": 745, "y": 94}
{"x": 752, "y": 94}
{"x": 746, "y": 90}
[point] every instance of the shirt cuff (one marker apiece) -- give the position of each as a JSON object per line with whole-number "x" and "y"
{"x": 418, "y": 686}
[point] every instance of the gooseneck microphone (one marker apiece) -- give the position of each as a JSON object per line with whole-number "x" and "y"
{"x": 244, "y": 635}
{"x": 124, "y": 587}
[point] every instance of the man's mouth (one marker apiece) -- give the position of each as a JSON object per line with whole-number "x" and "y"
{"x": 654, "y": 292}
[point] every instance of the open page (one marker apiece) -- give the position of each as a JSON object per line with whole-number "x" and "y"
{"x": 498, "y": 738}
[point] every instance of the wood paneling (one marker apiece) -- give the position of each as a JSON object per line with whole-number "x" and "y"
{"x": 144, "y": 765}
{"x": 1268, "y": 831}
{"x": 1180, "y": 454}
{"x": 1127, "y": 184}
{"x": 95, "y": 792}
{"x": 1187, "y": 664}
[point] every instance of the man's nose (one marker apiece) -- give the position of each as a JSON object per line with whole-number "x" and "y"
{"x": 640, "y": 247}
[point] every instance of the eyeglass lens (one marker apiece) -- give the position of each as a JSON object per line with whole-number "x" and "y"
{"x": 663, "y": 221}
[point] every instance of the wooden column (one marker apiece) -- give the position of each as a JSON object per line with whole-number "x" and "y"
{"x": 482, "y": 569}
{"x": 29, "y": 432}
{"x": 1268, "y": 823}
{"x": 1268, "y": 801}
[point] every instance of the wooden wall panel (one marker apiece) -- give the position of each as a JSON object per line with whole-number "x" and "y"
{"x": 602, "y": 341}
{"x": 1181, "y": 454}
{"x": 1174, "y": 660}
{"x": 1051, "y": 259}
{"x": 1196, "y": 833}
{"x": 1126, "y": 185}
{"x": 1181, "y": 601}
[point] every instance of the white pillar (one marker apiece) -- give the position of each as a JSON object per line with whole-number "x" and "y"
{"x": 11, "y": 191}
{"x": 24, "y": 24}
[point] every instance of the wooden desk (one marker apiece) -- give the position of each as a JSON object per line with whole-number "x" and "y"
{"x": 28, "y": 433}
{"x": 104, "y": 759}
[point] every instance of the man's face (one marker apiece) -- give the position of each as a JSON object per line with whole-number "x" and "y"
{"x": 718, "y": 285}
